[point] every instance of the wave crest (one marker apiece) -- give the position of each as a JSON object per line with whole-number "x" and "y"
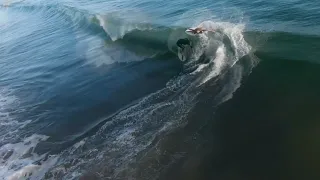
{"x": 116, "y": 27}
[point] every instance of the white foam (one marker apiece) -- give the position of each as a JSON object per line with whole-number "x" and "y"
{"x": 233, "y": 31}
{"x": 17, "y": 160}
{"x": 221, "y": 56}
{"x": 126, "y": 136}
{"x": 219, "y": 63}
{"x": 24, "y": 173}
{"x": 45, "y": 166}
{"x": 224, "y": 58}
{"x": 200, "y": 68}
{"x": 79, "y": 144}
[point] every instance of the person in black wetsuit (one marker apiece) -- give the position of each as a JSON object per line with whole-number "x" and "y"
{"x": 183, "y": 42}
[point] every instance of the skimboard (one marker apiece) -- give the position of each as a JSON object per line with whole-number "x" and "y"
{"x": 189, "y": 32}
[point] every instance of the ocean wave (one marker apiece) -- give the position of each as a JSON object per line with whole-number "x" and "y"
{"x": 127, "y": 138}
{"x": 140, "y": 38}
{"x": 144, "y": 41}
{"x": 131, "y": 138}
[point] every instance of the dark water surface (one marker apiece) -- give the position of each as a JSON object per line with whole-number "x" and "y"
{"x": 95, "y": 90}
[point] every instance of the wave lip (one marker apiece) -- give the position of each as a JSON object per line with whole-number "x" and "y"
{"x": 116, "y": 28}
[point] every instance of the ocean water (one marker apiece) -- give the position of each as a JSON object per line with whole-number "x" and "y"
{"x": 95, "y": 90}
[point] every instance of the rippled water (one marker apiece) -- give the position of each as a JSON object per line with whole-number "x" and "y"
{"x": 95, "y": 89}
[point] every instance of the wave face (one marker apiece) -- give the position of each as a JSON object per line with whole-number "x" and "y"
{"x": 96, "y": 89}
{"x": 117, "y": 148}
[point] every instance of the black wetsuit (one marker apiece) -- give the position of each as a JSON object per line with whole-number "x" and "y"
{"x": 183, "y": 42}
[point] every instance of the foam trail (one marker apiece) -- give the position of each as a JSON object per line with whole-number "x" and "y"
{"x": 232, "y": 46}
{"x": 219, "y": 63}
{"x": 233, "y": 31}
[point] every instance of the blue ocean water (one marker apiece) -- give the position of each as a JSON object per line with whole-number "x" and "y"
{"x": 95, "y": 89}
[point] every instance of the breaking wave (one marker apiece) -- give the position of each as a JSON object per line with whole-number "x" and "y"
{"x": 125, "y": 140}
{"x": 123, "y": 143}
